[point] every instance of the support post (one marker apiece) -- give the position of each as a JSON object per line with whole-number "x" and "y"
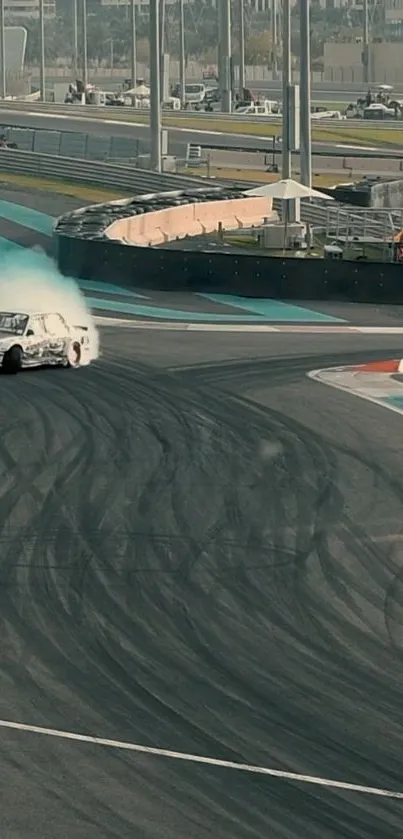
{"x": 3, "y": 52}
{"x": 155, "y": 103}
{"x": 161, "y": 23}
{"x": 286, "y": 150}
{"x": 84, "y": 36}
{"x": 274, "y": 38}
{"x": 133, "y": 45}
{"x": 42, "y": 82}
{"x": 305, "y": 95}
{"x": 182, "y": 58}
{"x": 226, "y": 47}
{"x": 241, "y": 80}
{"x": 75, "y": 38}
{"x": 366, "y": 46}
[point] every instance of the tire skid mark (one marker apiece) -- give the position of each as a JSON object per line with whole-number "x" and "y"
{"x": 181, "y": 574}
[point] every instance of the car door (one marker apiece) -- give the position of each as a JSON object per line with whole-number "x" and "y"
{"x": 35, "y": 347}
{"x": 57, "y": 336}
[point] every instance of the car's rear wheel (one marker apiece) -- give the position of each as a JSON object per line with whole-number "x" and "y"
{"x": 12, "y": 360}
{"x": 74, "y": 355}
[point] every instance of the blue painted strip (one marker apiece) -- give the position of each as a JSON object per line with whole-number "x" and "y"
{"x": 168, "y": 314}
{"x": 40, "y": 222}
{"x": 7, "y": 245}
{"x": 396, "y": 401}
{"x": 272, "y": 310}
{"x": 107, "y": 288}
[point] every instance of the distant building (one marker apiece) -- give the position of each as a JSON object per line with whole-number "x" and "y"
{"x": 343, "y": 62}
{"x": 393, "y": 18}
{"x": 28, "y": 9}
{"x": 140, "y": 3}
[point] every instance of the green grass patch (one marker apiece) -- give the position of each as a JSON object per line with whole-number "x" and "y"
{"x": 86, "y": 192}
{"x": 340, "y": 133}
{"x": 260, "y": 176}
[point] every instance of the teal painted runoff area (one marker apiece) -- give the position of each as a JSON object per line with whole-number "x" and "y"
{"x": 396, "y": 401}
{"x": 272, "y": 310}
{"x": 40, "y": 222}
{"x": 167, "y": 314}
{"x": 107, "y": 288}
{"x": 6, "y": 246}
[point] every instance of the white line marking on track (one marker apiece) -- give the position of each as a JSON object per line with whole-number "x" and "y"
{"x": 316, "y": 375}
{"x": 306, "y": 329}
{"x": 210, "y": 761}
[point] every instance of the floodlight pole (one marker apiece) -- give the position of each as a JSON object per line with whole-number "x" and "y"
{"x": 366, "y": 46}
{"x": 42, "y": 83}
{"x": 305, "y": 95}
{"x": 3, "y": 52}
{"x": 84, "y": 36}
{"x": 182, "y": 55}
{"x": 241, "y": 79}
{"x": 155, "y": 99}
{"x": 286, "y": 150}
{"x": 133, "y": 45}
{"x": 226, "y": 49}
{"x": 274, "y": 38}
{"x": 75, "y": 38}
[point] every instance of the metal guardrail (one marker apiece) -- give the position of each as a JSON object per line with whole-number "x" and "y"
{"x": 112, "y": 176}
{"x": 132, "y": 180}
{"x": 142, "y": 114}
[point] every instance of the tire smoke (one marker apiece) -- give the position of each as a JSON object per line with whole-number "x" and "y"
{"x": 30, "y": 281}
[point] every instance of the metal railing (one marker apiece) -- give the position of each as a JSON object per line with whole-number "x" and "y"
{"x": 142, "y": 181}
{"x": 111, "y": 176}
{"x": 75, "y": 144}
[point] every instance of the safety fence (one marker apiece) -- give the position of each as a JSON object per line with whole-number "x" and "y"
{"x": 85, "y": 145}
{"x": 74, "y": 143}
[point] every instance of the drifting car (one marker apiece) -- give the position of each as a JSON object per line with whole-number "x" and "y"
{"x": 35, "y": 339}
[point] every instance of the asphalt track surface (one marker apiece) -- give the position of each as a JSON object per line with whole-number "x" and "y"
{"x": 325, "y": 156}
{"x": 200, "y": 559}
{"x": 200, "y": 550}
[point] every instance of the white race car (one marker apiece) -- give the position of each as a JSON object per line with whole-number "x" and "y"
{"x": 37, "y": 338}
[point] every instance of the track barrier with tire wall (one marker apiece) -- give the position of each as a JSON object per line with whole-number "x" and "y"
{"x": 83, "y": 250}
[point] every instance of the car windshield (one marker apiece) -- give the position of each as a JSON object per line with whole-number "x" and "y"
{"x": 12, "y": 322}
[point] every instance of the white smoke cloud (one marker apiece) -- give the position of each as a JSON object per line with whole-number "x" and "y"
{"x": 30, "y": 281}
{"x": 270, "y": 450}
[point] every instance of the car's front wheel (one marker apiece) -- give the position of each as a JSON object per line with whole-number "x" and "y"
{"x": 12, "y": 360}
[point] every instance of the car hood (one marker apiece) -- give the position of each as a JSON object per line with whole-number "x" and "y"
{"x": 6, "y": 337}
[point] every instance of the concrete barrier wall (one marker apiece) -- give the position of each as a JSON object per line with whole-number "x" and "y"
{"x": 249, "y": 275}
{"x": 82, "y": 250}
{"x": 166, "y": 225}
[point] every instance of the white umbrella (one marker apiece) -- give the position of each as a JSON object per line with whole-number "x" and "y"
{"x": 287, "y": 190}
{"x": 140, "y": 90}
